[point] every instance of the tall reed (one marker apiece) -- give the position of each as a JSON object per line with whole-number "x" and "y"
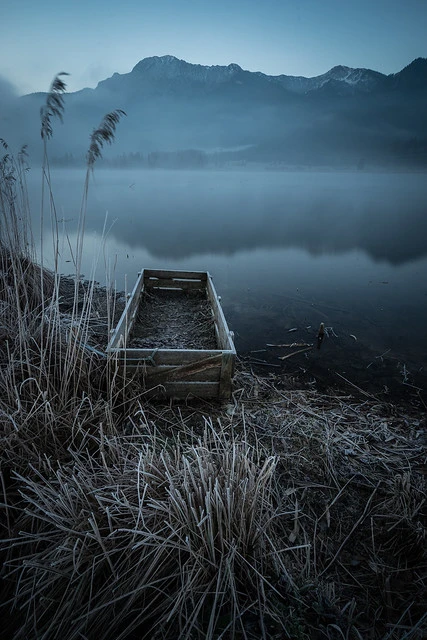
{"x": 46, "y": 372}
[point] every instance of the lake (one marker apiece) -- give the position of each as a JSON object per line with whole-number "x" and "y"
{"x": 287, "y": 250}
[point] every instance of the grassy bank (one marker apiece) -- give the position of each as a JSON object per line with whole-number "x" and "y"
{"x": 285, "y": 513}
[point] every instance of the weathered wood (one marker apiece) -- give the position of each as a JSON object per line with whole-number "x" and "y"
{"x": 174, "y": 283}
{"x": 159, "y": 375}
{"x": 180, "y": 373}
{"x": 227, "y": 370}
{"x": 225, "y": 341}
{"x": 164, "y": 356}
{"x": 168, "y": 273}
{"x": 127, "y": 318}
{"x": 177, "y": 373}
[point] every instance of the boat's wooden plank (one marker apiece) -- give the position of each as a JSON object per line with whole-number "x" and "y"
{"x": 168, "y": 273}
{"x": 227, "y": 370}
{"x": 127, "y": 318}
{"x": 173, "y": 283}
{"x": 224, "y": 338}
{"x": 177, "y": 373}
{"x": 164, "y": 356}
{"x": 159, "y": 375}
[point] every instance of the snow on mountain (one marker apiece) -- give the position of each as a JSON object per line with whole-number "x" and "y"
{"x": 170, "y": 68}
{"x": 356, "y": 79}
{"x": 339, "y": 79}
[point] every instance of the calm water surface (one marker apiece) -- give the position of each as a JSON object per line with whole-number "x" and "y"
{"x": 287, "y": 250}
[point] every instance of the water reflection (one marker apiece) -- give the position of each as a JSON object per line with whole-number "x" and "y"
{"x": 182, "y": 214}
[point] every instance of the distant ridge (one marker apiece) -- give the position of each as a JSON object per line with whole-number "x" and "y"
{"x": 362, "y": 79}
{"x": 169, "y": 67}
{"x": 345, "y": 116}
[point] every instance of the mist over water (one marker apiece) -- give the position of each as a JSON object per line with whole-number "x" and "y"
{"x": 286, "y": 250}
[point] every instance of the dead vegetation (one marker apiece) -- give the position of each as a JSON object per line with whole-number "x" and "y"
{"x": 174, "y": 320}
{"x": 350, "y": 504}
{"x": 285, "y": 513}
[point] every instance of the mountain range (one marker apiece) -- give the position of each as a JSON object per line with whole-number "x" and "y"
{"x": 343, "y": 117}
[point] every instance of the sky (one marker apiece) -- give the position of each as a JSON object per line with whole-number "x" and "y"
{"x": 92, "y": 39}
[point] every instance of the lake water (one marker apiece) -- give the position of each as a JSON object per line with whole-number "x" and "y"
{"x": 287, "y": 250}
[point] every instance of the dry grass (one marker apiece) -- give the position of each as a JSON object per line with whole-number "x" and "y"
{"x": 50, "y": 385}
{"x": 54, "y": 386}
{"x": 353, "y": 475}
{"x": 175, "y": 537}
{"x": 173, "y": 320}
{"x": 285, "y": 514}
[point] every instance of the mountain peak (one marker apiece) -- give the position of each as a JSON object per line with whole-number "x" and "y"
{"x": 346, "y": 79}
{"x": 418, "y": 63}
{"x": 168, "y": 67}
{"x": 340, "y": 68}
{"x": 156, "y": 62}
{"x": 234, "y": 67}
{"x": 166, "y": 61}
{"x": 341, "y": 72}
{"x": 413, "y": 76}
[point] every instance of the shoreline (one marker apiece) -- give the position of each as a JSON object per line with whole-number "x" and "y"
{"x": 251, "y": 168}
{"x": 318, "y": 373}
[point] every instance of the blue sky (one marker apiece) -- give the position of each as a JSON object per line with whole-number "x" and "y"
{"x": 94, "y": 38}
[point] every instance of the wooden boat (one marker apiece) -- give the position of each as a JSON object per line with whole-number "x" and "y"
{"x": 172, "y": 372}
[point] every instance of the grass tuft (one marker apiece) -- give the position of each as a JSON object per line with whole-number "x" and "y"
{"x": 166, "y": 537}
